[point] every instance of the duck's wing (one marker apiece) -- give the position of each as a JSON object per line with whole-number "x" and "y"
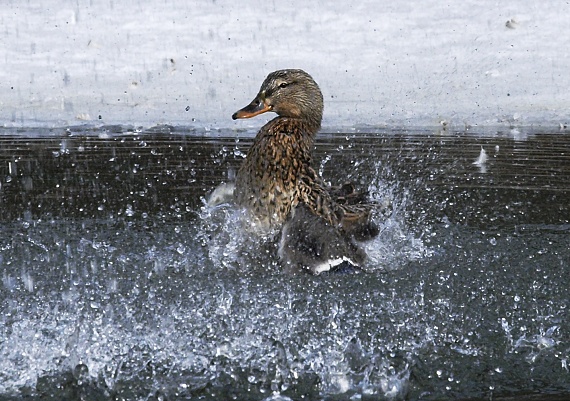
{"x": 357, "y": 221}
{"x": 314, "y": 195}
{"x": 357, "y": 210}
{"x": 340, "y": 208}
{"x": 347, "y": 194}
{"x": 309, "y": 242}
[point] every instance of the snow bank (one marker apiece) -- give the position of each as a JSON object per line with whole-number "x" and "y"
{"x": 422, "y": 62}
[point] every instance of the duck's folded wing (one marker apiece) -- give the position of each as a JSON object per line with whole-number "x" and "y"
{"x": 347, "y": 194}
{"x": 315, "y": 196}
{"x": 357, "y": 221}
{"x": 352, "y": 217}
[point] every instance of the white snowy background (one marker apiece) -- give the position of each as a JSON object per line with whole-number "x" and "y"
{"x": 412, "y": 63}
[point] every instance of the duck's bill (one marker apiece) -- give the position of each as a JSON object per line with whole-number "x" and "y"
{"x": 256, "y": 107}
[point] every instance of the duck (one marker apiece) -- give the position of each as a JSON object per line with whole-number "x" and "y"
{"x": 318, "y": 227}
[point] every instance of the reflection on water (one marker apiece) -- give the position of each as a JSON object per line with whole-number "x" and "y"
{"x": 118, "y": 283}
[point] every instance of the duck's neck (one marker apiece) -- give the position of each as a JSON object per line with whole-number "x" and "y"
{"x": 314, "y": 123}
{"x": 309, "y": 125}
{"x": 313, "y": 120}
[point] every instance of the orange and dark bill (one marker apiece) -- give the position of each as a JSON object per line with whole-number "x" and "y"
{"x": 256, "y": 107}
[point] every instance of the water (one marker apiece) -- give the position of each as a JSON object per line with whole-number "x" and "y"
{"x": 119, "y": 283}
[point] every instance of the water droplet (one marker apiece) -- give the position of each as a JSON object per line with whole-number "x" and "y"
{"x": 80, "y": 372}
{"x": 28, "y": 281}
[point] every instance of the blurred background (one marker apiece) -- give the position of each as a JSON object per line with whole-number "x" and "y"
{"x": 182, "y": 62}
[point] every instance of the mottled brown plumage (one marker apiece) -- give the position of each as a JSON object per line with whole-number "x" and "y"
{"x": 276, "y": 176}
{"x": 277, "y": 172}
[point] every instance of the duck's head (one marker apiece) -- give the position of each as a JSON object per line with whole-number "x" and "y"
{"x": 289, "y": 93}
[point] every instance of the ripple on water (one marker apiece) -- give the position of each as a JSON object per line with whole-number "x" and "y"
{"x": 465, "y": 293}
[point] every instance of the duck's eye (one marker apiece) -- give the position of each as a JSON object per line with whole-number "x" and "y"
{"x": 283, "y": 84}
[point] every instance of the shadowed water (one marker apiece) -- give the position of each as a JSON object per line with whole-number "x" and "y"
{"x": 119, "y": 283}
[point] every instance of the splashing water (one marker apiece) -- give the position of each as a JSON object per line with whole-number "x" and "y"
{"x": 465, "y": 294}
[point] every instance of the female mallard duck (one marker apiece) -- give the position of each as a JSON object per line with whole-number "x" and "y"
{"x": 278, "y": 186}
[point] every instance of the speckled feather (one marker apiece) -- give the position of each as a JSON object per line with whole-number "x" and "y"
{"x": 277, "y": 174}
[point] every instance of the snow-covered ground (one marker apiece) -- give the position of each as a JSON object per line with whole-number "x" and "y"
{"x": 418, "y": 62}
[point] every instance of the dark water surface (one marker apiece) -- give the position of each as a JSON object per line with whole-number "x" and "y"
{"x": 119, "y": 283}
